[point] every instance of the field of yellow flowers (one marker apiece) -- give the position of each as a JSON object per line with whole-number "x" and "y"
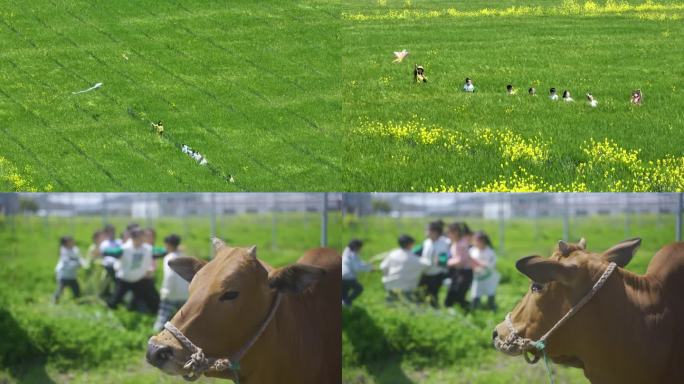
{"x": 434, "y": 137}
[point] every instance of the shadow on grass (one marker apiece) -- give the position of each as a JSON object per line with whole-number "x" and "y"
{"x": 371, "y": 348}
{"x": 18, "y": 354}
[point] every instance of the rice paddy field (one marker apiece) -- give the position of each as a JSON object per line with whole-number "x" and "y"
{"x": 405, "y": 343}
{"x": 435, "y": 137}
{"x": 253, "y": 87}
{"x": 83, "y": 341}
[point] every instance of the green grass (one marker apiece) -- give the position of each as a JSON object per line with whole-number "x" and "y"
{"x": 85, "y": 342}
{"x": 407, "y": 344}
{"x": 253, "y": 86}
{"x": 513, "y": 142}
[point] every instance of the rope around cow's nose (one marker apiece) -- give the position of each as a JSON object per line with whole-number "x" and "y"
{"x": 198, "y": 363}
{"x": 528, "y": 345}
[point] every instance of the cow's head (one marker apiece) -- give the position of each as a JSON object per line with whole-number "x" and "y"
{"x": 557, "y": 284}
{"x": 230, "y": 297}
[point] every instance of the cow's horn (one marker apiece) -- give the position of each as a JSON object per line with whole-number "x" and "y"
{"x": 563, "y": 247}
{"x": 582, "y": 243}
{"x": 252, "y": 251}
{"x": 217, "y": 243}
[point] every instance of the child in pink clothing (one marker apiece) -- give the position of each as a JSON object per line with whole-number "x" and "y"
{"x": 460, "y": 265}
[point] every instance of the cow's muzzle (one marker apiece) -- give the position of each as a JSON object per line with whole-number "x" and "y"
{"x": 158, "y": 355}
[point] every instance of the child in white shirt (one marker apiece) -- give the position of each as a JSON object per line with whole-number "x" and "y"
{"x": 566, "y": 96}
{"x": 435, "y": 254}
{"x": 351, "y": 266}
{"x": 130, "y": 269}
{"x": 552, "y": 94}
{"x": 592, "y": 101}
{"x": 401, "y": 270}
{"x": 174, "y": 290}
{"x": 67, "y": 268}
{"x": 468, "y": 86}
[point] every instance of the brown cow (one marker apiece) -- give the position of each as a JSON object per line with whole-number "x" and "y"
{"x": 630, "y": 331}
{"x": 233, "y": 295}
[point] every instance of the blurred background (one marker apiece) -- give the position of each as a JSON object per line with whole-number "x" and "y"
{"x": 407, "y": 343}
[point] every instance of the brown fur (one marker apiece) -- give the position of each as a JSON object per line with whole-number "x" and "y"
{"x": 302, "y": 344}
{"x": 630, "y": 332}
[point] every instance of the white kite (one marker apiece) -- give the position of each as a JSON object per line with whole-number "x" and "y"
{"x": 400, "y": 56}
{"x": 96, "y": 86}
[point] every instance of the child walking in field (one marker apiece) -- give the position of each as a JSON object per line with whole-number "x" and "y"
{"x": 351, "y": 266}
{"x": 486, "y": 277}
{"x": 67, "y": 268}
{"x": 174, "y": 290}
{"x": 468, "y": 86}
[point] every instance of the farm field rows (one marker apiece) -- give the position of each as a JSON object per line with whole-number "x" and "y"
{"x": 253, "y": 87}
{"x": 435, "y": 137}
{"x": 85, "y": 342}
{"x": 406, "y": 344}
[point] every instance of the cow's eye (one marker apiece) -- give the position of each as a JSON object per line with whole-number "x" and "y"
{"x": 536, "y": 287}
{"x": 230, "y": 295}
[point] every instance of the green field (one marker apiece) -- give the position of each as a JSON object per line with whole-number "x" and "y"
{"x": 83, "y": 341}
{"x": 252, "y": 86}
{"x": 408, "y": 344}
{"x": 435, "y": 137}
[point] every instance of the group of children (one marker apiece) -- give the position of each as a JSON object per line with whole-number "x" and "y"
{"x": 129, "y": 264}
{"x": 468, "y": 86}
{"x": 417, "y": 273}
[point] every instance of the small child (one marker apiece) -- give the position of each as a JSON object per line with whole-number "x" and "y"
{"x": 351, "y": 265}
{"x": 553, "y": 95}
{"x": 486, "y": 277}
{"x": 510, "y": 90}
{"x": 636, "y": 97}
{"x": 401, "y": 271}
{"x": 174, "y": 289}
{"x": 468, "y": 86}
{"x": 532, "y": 91}
{"x": 419, "y": 74}
{"x": 67, "y": 268}
{"x": 592, "y": 101}
{"x": 566, "y": 96}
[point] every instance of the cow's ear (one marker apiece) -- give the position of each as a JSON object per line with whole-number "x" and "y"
{"x": 294, "y": 278}
{"x": 186, "y": 267}
{"x": 622, "y": 253}
{"x": 541, "y": 270}
{"x": 217, "y": 243}
{"x": 582, "y": 244}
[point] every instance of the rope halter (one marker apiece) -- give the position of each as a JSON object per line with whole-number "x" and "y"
{"x": 198, "y": 363}
{"x": 515, "y": 342}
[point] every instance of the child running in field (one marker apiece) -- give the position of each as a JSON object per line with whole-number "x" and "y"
{"x": 351, "y": 266}
{"x": 636, "y": 97}
{"x": 591, "y": 100}
{"x": 67, "y": 268}
{"x": 134, "y": 262}
{"x": 174, "y": 290}
{"x": 567, "y": 97}
{"x": 419, "y": 74}
{"x": 486, "y": 277}
{"x": 553, "y": 95}
{"x": 401, "y": 270}
{"x": 532, "y": 91}
{"x": 510, "y": 90}
{"x": 468, "y": 86}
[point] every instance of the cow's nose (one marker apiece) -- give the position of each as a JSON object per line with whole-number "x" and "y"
{"x": 157, "y": 355}
{"x": 495, "y": 334}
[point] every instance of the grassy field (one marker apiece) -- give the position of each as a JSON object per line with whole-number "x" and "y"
{"x": 83, "y": 341}
{"x": 252, "y": 86}
{"x": 408, "y": 344}
{"x": 409, "y": 137}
